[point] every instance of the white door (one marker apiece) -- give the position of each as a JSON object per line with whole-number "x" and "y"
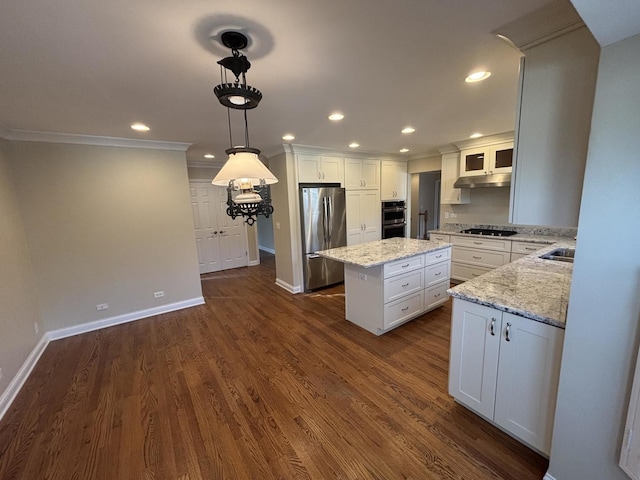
{"x": 232, "y": 234}
{"x": 473, "y": 366}
{"x": 354, "y": 223}
{"x": 530, "y": 355}
{"x": 221, "y": 242}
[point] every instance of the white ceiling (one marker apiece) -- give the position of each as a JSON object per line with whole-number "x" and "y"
{"x": 94, "y": 67}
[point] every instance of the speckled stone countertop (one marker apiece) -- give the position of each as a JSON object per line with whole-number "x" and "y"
{"x": 530, "y": 287}
{"x": 526, "y": 233}
{"x": 371, "y": 254}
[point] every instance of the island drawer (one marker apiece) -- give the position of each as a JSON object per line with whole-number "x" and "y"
{"x": 437, "y": 273}
{"x": 403, "y": 309}
{"x": 485, "y": 244}
{"x": 402, "y": 266}
{"x": 526, "y": 247}
{"x": 435, "y": 295}
{"x": 481, "y": 257}
{"x": 438, "y": 256}
{"x": 401, "y": 285}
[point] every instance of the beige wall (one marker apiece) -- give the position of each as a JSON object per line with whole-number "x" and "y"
{"x": 488, "y": 205}
{"x": 282, "y": 239}
{"x": 427, "y": 164}
{"x": 18, "y": 302}
{"x": 105, "y": 225}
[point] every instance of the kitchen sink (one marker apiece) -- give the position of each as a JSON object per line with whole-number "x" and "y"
{"x": 560, "y": 255}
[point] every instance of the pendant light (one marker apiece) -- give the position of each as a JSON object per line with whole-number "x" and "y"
{"x": 247, "y": 179}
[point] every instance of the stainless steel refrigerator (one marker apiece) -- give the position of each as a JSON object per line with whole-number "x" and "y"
{"x": 323, "y": 220}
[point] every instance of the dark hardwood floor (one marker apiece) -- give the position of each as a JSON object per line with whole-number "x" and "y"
{"x": 255, "y": 384}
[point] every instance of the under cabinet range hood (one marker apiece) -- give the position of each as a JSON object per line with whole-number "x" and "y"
{"x": 484, "y": 181}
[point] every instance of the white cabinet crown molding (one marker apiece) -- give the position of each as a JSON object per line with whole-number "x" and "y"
{"x": 334, "y": 152}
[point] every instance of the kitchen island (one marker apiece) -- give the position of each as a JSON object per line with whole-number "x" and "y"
{"x": 389, "y": 282}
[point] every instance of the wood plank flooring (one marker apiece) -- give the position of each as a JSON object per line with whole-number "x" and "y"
{"x": 256, "y": 384}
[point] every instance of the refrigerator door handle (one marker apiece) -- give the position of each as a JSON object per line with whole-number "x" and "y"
{"x": 329, "y": 224}
{"x": 325, "y": 219}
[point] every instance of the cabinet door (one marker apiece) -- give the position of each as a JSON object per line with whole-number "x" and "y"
{"x": 354, "y": 222}
{"x": 393, "y": 180}
{"x": 370, "y": 215}
{"x": 501, "y": 158}
{"x": 473, "y": 366}
{"x": 332, "y": 170}
{"x": 530, "y": 354}
{"x": 309, "y": 168}
{"x": 371, "y": 174}
{"x": 449, "y": 174}
{"x": 474, "y": 162}
{"x": 353, "y": 174}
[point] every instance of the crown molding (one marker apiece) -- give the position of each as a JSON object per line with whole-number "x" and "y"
{"x": 76, "y": 139}
{"x": 546, "y": 23}
{"x": 483, "y": 141}
{"x": 313, "y": 150}
{"x": 203, "y": 164}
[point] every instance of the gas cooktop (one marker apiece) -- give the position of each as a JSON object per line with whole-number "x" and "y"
{"x": 486, "y": 231}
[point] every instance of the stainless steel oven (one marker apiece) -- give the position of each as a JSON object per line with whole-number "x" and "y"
{"x": 393, "y": 219}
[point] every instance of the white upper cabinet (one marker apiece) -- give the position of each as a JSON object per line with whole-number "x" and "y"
{"x": 393, "y": 180}
{"x": 320, "y": 169}
{"x": 486, "y": 160}
{"x": 449, "y": 174}
{"x": 361, "y": 174}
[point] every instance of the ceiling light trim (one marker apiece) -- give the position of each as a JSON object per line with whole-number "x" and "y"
{"x": 95, "y": 140}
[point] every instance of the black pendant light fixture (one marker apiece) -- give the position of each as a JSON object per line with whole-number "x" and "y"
{"x": 247, "y": 179}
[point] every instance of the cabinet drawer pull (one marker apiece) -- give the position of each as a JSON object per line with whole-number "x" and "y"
{"x": 474, "y": 274}
{"x": 405, "y": 309}
{"x": 405, "y": 266}
{"x": 436, "y": 296}
{"x": 438, "y": 274}
{"x": 405, "y": 285}
{"x": 492, "y": 328}
{"x": 477, "y": 243}
{"x": 439, "y": 256}
{"x": 507, "y": 333}
{"x": 477, "y": 258}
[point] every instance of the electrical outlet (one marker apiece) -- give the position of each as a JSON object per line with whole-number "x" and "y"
{"x": 446, "y": 214}
{"x": 102, "y": 306}
{"x": 36, "y": 327}
{"x": 277, "y": 225}
{"x": 362, "y": 276}
{"x": 158, "y": 294}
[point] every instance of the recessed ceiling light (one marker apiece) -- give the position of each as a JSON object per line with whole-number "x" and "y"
{"x": 404, "y": 150}
{"x": 354, "y": 145}
{"x": 209, "y": 155}
{"x": 288, "y": 137}
{"x": 477, "y": 76}
{"x": 336, "y": 116}
{"x": 408, "y": 130}
{"x": 140, "y": 127}
{"x": 475, "y": 135}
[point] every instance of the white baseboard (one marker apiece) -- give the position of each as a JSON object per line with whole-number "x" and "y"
{"x": 10, "y": 394}
{"x": 547, "y": 477}
{"x": 253, "y": 263}
{"x": 118, "y": 319}
{"x": 268, "y": 250}
{"x": 289, "y": 288}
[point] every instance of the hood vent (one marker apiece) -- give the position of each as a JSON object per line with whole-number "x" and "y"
{"x": 484, "y": 181}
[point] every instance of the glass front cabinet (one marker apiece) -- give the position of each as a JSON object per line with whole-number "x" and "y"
{"x": 486, "y": 160}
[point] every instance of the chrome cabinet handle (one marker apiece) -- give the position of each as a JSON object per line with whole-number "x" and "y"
{"x": 405, "y": 309}
{"x": 507, "y": 332}
{"x": 405, "y": 285}
{"x": 492, "y": 328}
{"x": 438, "y": 274}
{"x": 477, "y": 258}
{"x": 405, "y": 266}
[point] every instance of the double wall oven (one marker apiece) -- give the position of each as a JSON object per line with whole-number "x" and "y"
{"x": 393, "y": 219}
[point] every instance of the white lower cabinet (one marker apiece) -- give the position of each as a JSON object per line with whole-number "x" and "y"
{"x": 381, "y": 298}
{"x": 506, "y": 368}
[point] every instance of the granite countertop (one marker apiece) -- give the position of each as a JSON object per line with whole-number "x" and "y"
{"x": 518, "y": 237}
{"x": 371, "y": 254}
{"x": 530, "y": 287}
{"x": 526, "y": 233}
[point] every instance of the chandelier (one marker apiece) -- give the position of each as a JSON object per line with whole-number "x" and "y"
{"x": 247, "y": 179}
